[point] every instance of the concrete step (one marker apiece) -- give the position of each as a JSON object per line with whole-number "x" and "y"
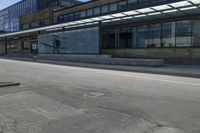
{"x": 138, "y": 62}
{"x": 73, "y": 56}
{"x": 102, "y": 59}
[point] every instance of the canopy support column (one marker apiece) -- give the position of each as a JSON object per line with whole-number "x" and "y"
{"x": 5, "y": 45}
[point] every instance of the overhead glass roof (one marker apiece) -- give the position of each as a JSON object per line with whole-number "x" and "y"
{"x": 171, "y": 9}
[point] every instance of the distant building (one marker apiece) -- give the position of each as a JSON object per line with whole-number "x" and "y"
{"x": 36, "y": 19}
{"x": 9, "y": 17}
{"x": 57, "y": 3}
{"x": 164, "y": 29}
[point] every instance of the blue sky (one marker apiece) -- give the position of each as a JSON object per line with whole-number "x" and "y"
{"x": 6, "y": 3}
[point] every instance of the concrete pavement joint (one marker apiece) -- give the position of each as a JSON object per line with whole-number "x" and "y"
{"x": 151, "y": 126}
{"x": 7, "y": 84}
{"x": 43, "y": 113}
{"x": 163, "y": 80}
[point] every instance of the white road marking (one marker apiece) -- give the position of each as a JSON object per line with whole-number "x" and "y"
{"x": 43, "y": 113}
{"x": 149, "y": 78}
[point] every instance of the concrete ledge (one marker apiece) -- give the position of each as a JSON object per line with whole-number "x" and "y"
{"x": 183, "y": 61}
{"x": 138, "y": 62}
{"x": 163, "y": 53}
{"x": 72, "y": 56}
{"x": 102, "y": 59}
{"x": 172, "y": 70}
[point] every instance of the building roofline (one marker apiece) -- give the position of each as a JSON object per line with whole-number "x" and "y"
{"x": 81, "y": 3}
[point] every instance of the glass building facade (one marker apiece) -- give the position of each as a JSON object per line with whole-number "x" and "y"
{"x": 9, "y": 17}
{"x": 185, "y": 33}
{"x": 14, "y": 12}
{"x": 173, "y": 33}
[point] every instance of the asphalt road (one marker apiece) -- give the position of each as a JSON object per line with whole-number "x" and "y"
{"x": 62, "y": 99}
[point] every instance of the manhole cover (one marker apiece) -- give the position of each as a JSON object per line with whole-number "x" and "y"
{"x": 95, "y": 94}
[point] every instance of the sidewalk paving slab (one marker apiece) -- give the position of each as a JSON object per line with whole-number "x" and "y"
{"x": 192, "y": 71}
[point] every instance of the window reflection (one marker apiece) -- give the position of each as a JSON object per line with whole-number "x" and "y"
{"x": 104, "y": 9}
{"x": 132, "y": 3}
{"x": 154, "y": 36}
{"x": 83, "y": 13}
{"x": 89, "y": 12}
{"x": 113, "y": 7}
{"x": 109, "y": 39}
{"x": 196, "y": 33}
{"x": 143, "y": 1}
{"x": 97, "y": 10}
{"x": 125, "y": 38}
{"x": 142, "y": 36}
{"x": 183, "y": 33}
{"x": 122, "y": 5}
{"x": 161, "y": 35}
{"x": 168, "y": 34}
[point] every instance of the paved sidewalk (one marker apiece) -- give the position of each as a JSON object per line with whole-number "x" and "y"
{"x": 169, "y": 69}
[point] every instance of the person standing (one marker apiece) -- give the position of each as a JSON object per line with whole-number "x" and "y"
{"x": 35, "y": 51}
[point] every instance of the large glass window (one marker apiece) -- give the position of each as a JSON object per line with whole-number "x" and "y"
{"x": 35, "y": 24}
{"x": 154, "y": 36}
{"x": 25, "y": 26}
{"x": 168, "y": 34}
{"x": 83, "y": 13}
{"x": 60, "y": 19}
{"x": 122, "y": 5}
{"x": 171, "y": 34}
{"x": 97, "y": 10}
{"x": 66, "y": 18}
{"x": 89, "y": 12}
{"x": 112, "y": 41}
{"x": 183, "y": 33}
{"x": 104, "y": 9}
{"x": 29, "y": 5}
{"x": 142, "y": 36}
{"x": 125, "y": 38}
{"x": 143, "y": 1}
{"x": 31, "y": 2}
{"x": 71, "y": 16}
{"x": 113, "y": 7}
{"x": 132, "y": 3}
{"x": 24, "y": 6}
{"x": 44, "y": 22}
{"x": 35, "y": 4}
{"x": 77, "y": 15}
{"x": 134, "y": 37}
{"x": 105, "y": 39}
{"x": 196, "y": 33}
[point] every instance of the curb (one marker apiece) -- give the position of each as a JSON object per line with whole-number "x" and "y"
{"x": 109, "y": 67}
{"x": 121, "y": 69}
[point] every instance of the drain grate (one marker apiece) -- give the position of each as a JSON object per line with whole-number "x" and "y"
{"x": 7, "y": 84}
